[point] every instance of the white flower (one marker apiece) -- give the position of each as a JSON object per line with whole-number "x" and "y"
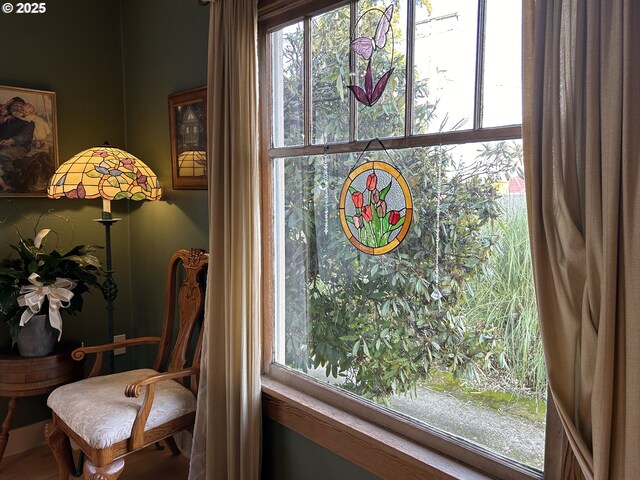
{"x": 40, "y": 236}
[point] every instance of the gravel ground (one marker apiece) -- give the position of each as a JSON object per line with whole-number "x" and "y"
{"x": 518, "y": 438}
{"x": 512, "y": 436}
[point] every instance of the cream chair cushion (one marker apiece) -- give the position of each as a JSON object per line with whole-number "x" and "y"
{"x": 97, "y": 410}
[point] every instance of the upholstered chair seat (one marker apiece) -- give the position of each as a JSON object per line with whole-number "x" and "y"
{"x": 98, "y": 411}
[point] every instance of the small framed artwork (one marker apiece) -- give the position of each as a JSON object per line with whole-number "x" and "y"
{"x": 28, "y": 141}
{"x": 188, "y": 128}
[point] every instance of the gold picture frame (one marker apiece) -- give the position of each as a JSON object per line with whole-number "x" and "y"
{"x": 188, "y": 130}
{"x": 28, "y": 141}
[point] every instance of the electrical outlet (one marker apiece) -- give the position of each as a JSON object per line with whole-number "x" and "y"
{"x": 119, "y": 338}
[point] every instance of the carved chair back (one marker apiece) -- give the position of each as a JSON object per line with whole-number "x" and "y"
{"x": 190, "y": 309}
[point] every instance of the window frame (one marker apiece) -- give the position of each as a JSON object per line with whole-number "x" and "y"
{"x": 337, "y": 420}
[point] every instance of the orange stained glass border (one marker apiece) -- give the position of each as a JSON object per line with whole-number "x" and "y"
{"x": 391, "y": 170}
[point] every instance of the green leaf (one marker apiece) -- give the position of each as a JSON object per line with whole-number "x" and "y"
{"x": 356, "y": 347}
{"x": 113, "y": 181}
{"x": 384, "y": 191}
{"x": 349, "y": 338}
{"x": 397, "y": 225}
{"x": 93, "y": 174}
{"x": 122, "y": 195}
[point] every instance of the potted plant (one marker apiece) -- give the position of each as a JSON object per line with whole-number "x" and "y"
{"x": 38, "y": 285}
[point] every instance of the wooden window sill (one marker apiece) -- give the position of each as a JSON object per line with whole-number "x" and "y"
{"x": 381, "y": 452}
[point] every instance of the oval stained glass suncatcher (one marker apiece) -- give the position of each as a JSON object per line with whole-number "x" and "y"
{"x": 375, "y": 208}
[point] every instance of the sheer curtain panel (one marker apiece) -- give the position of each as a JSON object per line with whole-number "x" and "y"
{"x": 227, "y": 434}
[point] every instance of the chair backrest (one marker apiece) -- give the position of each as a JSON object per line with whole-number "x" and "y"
{"x": 189, "y": 300}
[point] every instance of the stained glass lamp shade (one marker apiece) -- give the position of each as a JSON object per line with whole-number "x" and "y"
{"x": 192, "y": 163}
{"x": 104, "y": 172}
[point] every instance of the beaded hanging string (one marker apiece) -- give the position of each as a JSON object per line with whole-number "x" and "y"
{"x": 436, "y": 294}
{"x": 325, "y": 187}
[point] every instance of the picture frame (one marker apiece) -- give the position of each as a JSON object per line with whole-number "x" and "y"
{"x": 28, "y": 141}
{"x": 188, "y": 133}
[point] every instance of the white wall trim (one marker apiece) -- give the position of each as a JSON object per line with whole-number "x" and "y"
{"x": 25, "y": 438}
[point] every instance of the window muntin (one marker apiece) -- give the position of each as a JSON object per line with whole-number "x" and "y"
{"x": 309, "y": 180}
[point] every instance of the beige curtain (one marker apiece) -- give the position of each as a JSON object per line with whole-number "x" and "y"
{"x": 227, "y": 434}
{"x": 582, "y": 153}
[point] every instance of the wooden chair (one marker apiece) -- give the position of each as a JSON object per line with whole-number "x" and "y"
{"x": 106, "y": 416}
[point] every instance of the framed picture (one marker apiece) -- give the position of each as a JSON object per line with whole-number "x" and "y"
{"x": 28, "y": 141}
{"x": 188, "y": 124}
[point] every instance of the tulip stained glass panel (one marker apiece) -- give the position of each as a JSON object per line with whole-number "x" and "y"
{"x": 375, "y": 208}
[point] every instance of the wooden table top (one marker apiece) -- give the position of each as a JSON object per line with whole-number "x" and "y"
{"x": 27, "y": 376}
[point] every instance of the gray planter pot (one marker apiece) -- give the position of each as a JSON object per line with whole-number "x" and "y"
{"x": 37, "y": 338}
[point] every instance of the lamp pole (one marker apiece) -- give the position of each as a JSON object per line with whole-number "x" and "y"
{"x": 109, "y": 287}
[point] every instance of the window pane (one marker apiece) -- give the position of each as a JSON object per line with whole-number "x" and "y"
{"x": 288, "y": 86}
{"x": 502, "y": 77}
{"x": 445, "y": 58}
{"x": 386, "y": 117}
{"x": 330, "y": 70}
{"x": 444, "y": 323}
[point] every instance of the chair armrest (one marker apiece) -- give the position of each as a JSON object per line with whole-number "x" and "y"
{"x": 134, "y": 389}
{"x": 81, "y": 352}
{"x": 136, "y": 439}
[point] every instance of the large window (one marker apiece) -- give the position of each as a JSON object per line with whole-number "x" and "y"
{"x": 441, "y": 332}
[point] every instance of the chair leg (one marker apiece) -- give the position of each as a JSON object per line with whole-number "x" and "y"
{"x": 173, "y": 446}
{"x": 107, "y": 472}
{"x": 61, "y": 448}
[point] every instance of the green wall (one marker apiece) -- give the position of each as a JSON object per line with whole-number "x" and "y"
{"x": 287, "y": 455}
{"x": 77, "y": 49}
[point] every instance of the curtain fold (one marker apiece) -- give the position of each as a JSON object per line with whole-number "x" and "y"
{"x": 581, "y": 106}
{"x": 227, "y": 435}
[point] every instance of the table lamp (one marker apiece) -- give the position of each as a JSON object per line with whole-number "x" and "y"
{"x": 111, "y": 174}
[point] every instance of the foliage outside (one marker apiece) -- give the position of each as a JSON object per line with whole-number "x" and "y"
{"x": 502, "y": 299}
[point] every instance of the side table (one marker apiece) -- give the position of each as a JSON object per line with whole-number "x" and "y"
{"x": 29, "y": 376}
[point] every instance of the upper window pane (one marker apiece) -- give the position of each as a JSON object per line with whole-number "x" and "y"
{"x": 387, "y": 116}
{"x": 503, "y": 78}
{"x": 288, "y": 86}
{"x": 445, "y": 59}
{"x": 329, "y": 72}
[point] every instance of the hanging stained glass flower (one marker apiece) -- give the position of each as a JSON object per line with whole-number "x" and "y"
{"x": 375, "y": 207}
{"x": 367, "y": 47}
